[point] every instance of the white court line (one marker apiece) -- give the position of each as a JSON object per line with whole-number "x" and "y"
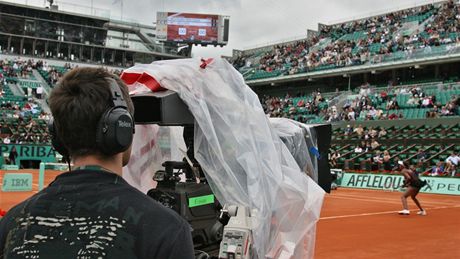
{"x": 391, "y": 201}
{"x": 364, "y": 199}
{"x": 429, "y": 206}
{"x": 388, "y": 199}
{"x": 384, "y": 212}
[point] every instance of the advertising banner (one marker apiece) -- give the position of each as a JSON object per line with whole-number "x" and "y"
{"x": 31, "y": 152}
{"x": 439, "y": 185}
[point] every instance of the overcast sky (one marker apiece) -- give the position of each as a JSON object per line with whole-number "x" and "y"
{"x": 252, "y": 22}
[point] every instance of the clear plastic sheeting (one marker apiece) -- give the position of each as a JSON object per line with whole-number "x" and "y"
{"x": 152, "y": 145}
{"x": 299, "y": 138}
{"x": 145, "y": 158}
{"x": 244, "y": 160}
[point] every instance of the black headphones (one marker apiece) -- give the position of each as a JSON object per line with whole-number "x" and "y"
{"x": 115, "y": 129}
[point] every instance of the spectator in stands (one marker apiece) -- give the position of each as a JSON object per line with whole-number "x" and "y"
{"x": 334, "y": 158}
{"x": 416, "y": 92}
{"x": 433, "y": 113}
{"x": 374, "y": 144}
{"x": 393, "y": 104}
{"x": 358, "y": 149}
{"x": 366, "y": 136}
{"x": 368, "y": 146}
{"x": 292, "y": 110}
{"x": 372, "y": 113}
{"x": 382, "y": 133}
{"x": 351, "y": 114}
{"x": 13, "y": 155}
{"x": 413, "y": 100}
{"x": 456, "y": 101}
{"x": 452, "y": 162}
{"x": 6, "y": 140}
{"x": 377, "y": 160}
{"x": 384, "y": 96}
{"x": 301, "y": 103}
{"x": 348, "y": 130}
{"x": 44, "y": 116}
{"x": 373, "y": 133}
{"x": 393, "y": 116}
{"x": 421, "y": 156}
{"x": 427, "y": 102}
{"x": 359, "y": 131}
{"x": 437, "y": 170}
{"x": 39, "y": 91}
{"x": 379, "y": 115}
{"x": 452, "y": 107}
{"x": 30, "y": 125}
{"x": 451, "y": 171}
{"x": 387, "y": 160}
{"x": 445, "y": 111}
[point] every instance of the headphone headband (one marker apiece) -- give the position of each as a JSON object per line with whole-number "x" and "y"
{"x": 117, "y": 95}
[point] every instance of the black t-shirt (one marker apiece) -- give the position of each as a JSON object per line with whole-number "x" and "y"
{"x": 93, "y": 214}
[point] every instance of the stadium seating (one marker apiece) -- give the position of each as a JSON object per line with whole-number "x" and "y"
{"x": 401, "y": 141}
{"x": 437, "y": 142}
{"x": 52, "y": 74}
{"x": 445, "y": 94}
{"x": 366, "y": 41}
{"x": 22, "y": 120}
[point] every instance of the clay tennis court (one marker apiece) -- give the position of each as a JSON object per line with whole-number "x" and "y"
{"x": 358, "y": 223}
{"x": 9, "y": 199}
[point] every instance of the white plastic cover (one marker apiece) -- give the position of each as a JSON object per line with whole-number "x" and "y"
{"x": 145, "y": 158}
{"x": 299, "y": 138}
{"x": 244, "y": 160}
{"x": 152, "y": 145}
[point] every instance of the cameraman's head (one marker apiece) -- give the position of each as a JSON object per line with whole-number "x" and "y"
{"x": 77, "y": 103}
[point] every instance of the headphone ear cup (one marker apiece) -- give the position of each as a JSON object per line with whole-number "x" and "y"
{"x": 56, "y": 141}
{"x": 115, "y": 131}
{"x": 101, "y": 132}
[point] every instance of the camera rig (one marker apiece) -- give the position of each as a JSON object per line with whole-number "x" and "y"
{"x": 192, "y": 198}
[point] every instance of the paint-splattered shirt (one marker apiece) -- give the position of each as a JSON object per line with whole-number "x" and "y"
{"x": 93, "y": 214}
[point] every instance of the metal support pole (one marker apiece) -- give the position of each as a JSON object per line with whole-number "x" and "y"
{"x": 41, "y": 176}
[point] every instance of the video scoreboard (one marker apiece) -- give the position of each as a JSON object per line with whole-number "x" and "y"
{"x": 192, "y": 28}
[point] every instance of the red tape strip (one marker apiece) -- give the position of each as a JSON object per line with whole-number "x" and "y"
{"x": 144, "y": 78}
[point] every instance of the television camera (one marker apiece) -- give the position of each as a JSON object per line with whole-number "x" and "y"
{"x": 192, "y": 197}
{"x": 182, "y": 186}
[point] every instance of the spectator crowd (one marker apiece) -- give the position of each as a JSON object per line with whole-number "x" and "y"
{"x": 378, "y": 37}
{"x": 380, "y": 158}
{"x": 368, "y": 104}
{"x": 22, "y": 119}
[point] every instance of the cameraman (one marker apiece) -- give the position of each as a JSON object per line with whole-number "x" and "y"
{"x": 90, "y": 211}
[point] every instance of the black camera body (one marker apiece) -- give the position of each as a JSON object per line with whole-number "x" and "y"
{"x": 192, "y": 199}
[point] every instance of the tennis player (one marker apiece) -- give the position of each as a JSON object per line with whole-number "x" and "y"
{"x": 413, "y": 184}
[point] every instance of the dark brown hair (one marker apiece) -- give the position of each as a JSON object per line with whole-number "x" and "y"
{"x": 77, "y": 103}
